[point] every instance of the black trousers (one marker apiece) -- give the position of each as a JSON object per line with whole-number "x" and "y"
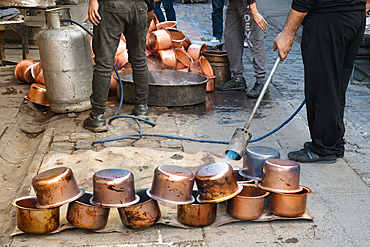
{"x": 130, "y": 18}
{"x": 330, "y": 42}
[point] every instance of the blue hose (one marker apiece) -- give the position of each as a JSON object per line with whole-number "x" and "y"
{"x": 138, "y": 136}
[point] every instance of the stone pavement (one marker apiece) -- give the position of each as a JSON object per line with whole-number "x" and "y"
{"x": 340, "y": 199}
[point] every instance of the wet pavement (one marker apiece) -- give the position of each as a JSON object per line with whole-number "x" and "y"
{"x": 341, "y": 195}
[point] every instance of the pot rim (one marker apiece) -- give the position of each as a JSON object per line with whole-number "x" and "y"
{"x": 254, "y": 185}
{"x": 14, "y": 203}
{"x": 107, "y": 205}
{"x": 222, "y": 198}
{"x": 62, "y": 202}
{"x": 148, "y": 192}
{"x": 308, "y": 191}
{"x": 280, "y": 191}
{"x": 241, "y": 173}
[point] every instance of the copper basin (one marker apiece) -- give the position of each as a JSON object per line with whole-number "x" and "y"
{"x": 177, "y": 37}
{"x": 194, "y": 50}
{"x": 56, "y": 187}
{"x": 23, "y": 70}
{"x": 216, "y": 183}
{"x": 143, "y": 214}
{"x": 83, "y": 214}
{"x": 289, "y": 205}
{"x": 248, "y": 204}
{"x": 172, "y": 184}
{"x": 197, "y": 214}
{"x": 281, "y": 176}
{"x": 37, "y": 95}
{"x": 113, "y": 188}
{"x": 160, "y": 40}
{"x": 34, "y": 220}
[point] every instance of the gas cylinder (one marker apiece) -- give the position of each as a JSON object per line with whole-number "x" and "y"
{"x": 67, "y": 63}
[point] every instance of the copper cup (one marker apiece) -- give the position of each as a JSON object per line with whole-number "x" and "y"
{"x": 197, "y": 214}
{"x": 281, "y": 176}
{"x": 248, "y": 204}
{"x": 37, "y": 95}
{"x": 83, "y": 214}
{"x": 177, "y": 37}
{"x": 113, "y": 188}
{"x": 56, "y": 187}
{"x": 194, "y": 50}
{"x": 172, "y": 184}
{"x": 23, "y": 70}
{"x": 216, "y": 183}
{"x": 289, "y": 205}
{"x": 34, "y": 220}
{"x": 160, "y": 40}
{"x": 143, "y": 214}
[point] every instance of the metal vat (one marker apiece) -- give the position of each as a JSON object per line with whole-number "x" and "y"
{"x": 66, "y": 60}
{"x": 220, "y": 65}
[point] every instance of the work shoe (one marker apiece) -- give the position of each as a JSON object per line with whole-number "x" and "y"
{"x": 246, "y": 45}
{"x": 95, "y": 123}
{"x": 308, "y": 144}
{"x": 234, "y": 84}
{"x": 214, "y": 39}
{"x": 256, "y": 90}
{"x": 140, "y": 110}
{"x": 307, "y": 155}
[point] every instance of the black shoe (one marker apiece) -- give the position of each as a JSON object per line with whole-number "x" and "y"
{"x": 140, "y": 110}
{"x": 234, "y": 84}
{"x": 96, "y": 124}
{"x": 307, "y": 145}
{"x": 256, "y": 90}
{"x": 306, "y": 155}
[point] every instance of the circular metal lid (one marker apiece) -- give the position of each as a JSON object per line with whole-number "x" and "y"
{"x": 262, "y": 151}
{"x": 113, "y": 174}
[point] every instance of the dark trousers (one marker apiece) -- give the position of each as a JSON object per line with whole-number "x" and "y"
{"x": 168, "y": 9}
{"x": 330, "y": 42}
{"x": 217, "y": 18}
{"x": 127, "y": 17}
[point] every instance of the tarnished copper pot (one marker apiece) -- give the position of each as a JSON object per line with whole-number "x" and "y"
{"x": 177, "y": 37}
{"x": 281, "y": 176}
{"x": 216, "y": 183}
{"x": 194, "y": 50}
{"x": 289, "y": 205}
{"x": 172, "y": 184}
{"x": 83, "y": 214}
{"x": 114, "y": 188}
{"x": 160, "y": 40}
{"x": 248, "y": 204}
{"x": 197, "y": 214}
{"x": 34, "y": 220}
{"x": 37, "y": 94}
{"x": 143, "y": 214}
{"x": 55, "y": 187}
{"x": 23, "y": 70}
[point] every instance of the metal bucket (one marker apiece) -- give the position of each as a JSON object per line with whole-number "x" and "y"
{"x": 220, "y": 65}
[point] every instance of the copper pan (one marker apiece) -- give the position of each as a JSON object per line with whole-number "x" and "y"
{"x": 195, "y": 67}
{"x": 83, "y": 214}
{"x": 37, "y": 94}
{"x": 194, "y": 50}
{"x": 34, "y": 220}
{"x": 166, "y": 24}
{"x": 177, "y": 37}
{"x": 160, "y": 40}
{"x": 289, "y": 205}
{"x": 197, "y": 214}
{"x": 23, "y": 71}
{"x": 143, "y": 214}
{"x": 183, "y": 57}
{"x": 168, "y": 57}
{"x": 248, "y": 204}
{"x": 55, "y": 187}
{"x": 186, "y": 43}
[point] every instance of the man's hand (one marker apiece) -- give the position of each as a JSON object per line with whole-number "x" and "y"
{"x": 283, "y": 43}
{"x": 94, "y": 16}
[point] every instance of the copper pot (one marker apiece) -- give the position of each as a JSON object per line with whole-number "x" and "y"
{"x": 177, "y": 37}
{"x": 172, "y": 184}
{"x": 55, "y": 187}
{"x": 168, "y": 57}
{"x": 83, "y": 214}
{"x": 289, "y": 205}
{"x": 153, "y": 23}
{"x": 195, "y": 67}
{"x": 216, "y": 183}
{"x": 281, "y": 176}
{"x": 23, "y": 71}
{"x": 183, "y": 57}
{"x": 37, "y": 73}
{"x": 160, "y": 40}
{"x": 186, "y": 43}
{"x": 216, "y": 56}
{"x": 37, "y": 95}
{"x": 143, "y": 214}
{"x": 113, "y": 188}
{"x": 194, "y": 50}
{"x": 248, "y": 204}
{"x": 34, "y": 220}
{"x": 197, "y": 214}
{"x": 166, "y": 24}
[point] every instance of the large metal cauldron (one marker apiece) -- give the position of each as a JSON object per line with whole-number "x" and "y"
{"x": 66, "y": 60}
{"x": 167, "y": 87}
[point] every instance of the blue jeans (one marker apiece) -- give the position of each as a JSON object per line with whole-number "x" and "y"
{"x": 217, "y": 18}
{"x": 168, "y": 8}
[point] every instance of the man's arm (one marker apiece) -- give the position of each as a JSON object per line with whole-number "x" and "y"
{"x": 258, "y": 18}
{"x": 284, "y": 41}
{"x": 94, "y": 16}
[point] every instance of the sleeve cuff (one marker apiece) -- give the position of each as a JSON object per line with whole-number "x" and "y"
{"x": 300, "y": 8}
{"x": 251, "y": 2}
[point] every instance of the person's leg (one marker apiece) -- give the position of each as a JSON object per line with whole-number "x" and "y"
{"x": 217, "y": 18}
{"x": 158, "y": 12}
{"x": 170, "y": 11}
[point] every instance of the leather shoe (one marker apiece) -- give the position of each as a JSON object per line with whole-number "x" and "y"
{"x": 307, "y": 155}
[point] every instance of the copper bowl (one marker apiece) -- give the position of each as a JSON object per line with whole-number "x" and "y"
{"x": 143, "y": 214}
{"x": 281, "y": 176}
{"x": 113, "y": 188}
{"x": 168, "y": 57}
{"x": 177, "y": 37}
{"x": 172, "y": 184}
{"x": 248, "y": 204}
{"x": 216, "y": 183}
{"x": 23, "y": 70}
{"x": 166, "y": 24}
{"x": 253, "y": 160}
{"x": 34, "y": 220}
{"x": 183, "y": 57}
{"x": 289, "y": 205}
{"x": 37, "y": 95}
{"x": 196, "y": 214}
{"x": 83, "y": 214}
{"x": 160, "y": 40}
{"x": 194, "y": 50}
{"x": 56, "y": 187}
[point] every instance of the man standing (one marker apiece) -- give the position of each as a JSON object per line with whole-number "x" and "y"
{"x": 217, "y": 20}
{"x": 111, "y": 18}
{"x": 332, "y": 34}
